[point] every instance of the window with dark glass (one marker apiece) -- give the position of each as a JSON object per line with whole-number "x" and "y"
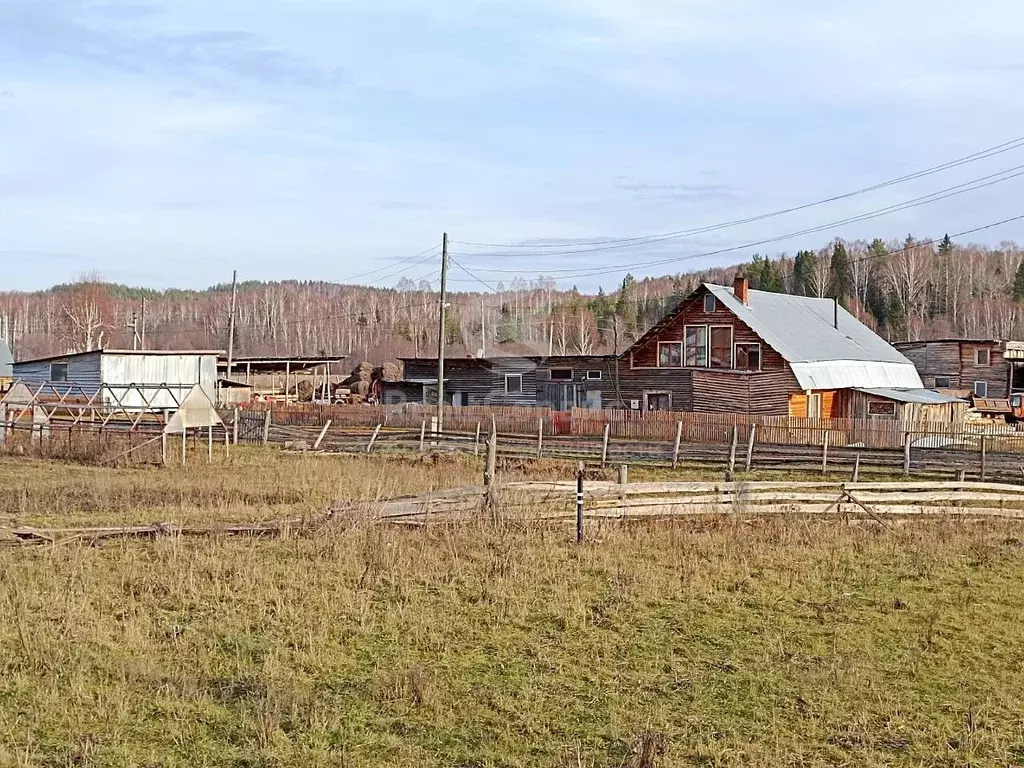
{"x": 709, "y": 303}
{"x": 721, "y": 346}
{"x": 697, "y": 346}
{"x": 561, "y": 374}
{"x": 58, "y": 371}
{"x": 670, "y": 354}
{"x": 748, "y": 357}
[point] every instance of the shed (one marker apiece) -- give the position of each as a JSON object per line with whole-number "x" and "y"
{"x": 906, "y": 404}
{"x": 135, "y": 378}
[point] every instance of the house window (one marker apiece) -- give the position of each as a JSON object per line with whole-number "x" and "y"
{"x": 561, "y": 374}
{"x": 983, "y": 357}
{"x": 814, "y": 405}
{"x": 593, "y": 375}
{"x": 697, "y": 346}
{"x": 58, "y": 371}
{"x": 942, "y": 382}
{"x": 513, "y": 383}
{"x": 658, "y": 401}
{"x": 709, "y": 303}
{"x": 981, "y": 389}
{"x": 670, "y": 354}
{"x": 721, "y": 346}
{"x": 885, "y": 408}
{"x": 748, "y": 357}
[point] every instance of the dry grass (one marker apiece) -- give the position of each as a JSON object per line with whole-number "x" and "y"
{"x": 757, "y": 642}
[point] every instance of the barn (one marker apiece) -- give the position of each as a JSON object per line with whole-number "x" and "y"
{"x": 136, "y": 378}
{"x": 737, "y": 350}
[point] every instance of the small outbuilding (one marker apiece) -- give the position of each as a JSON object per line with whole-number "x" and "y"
{"x": 126, "y": 377}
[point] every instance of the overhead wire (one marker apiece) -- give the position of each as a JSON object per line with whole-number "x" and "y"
{"x": 974, "y": 157}
{"x": 959, "y": 189}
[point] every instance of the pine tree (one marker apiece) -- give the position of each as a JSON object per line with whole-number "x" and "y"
{"x": 1018, "y": 283}
{"x": 946, "y": 246}
{"x": 764, "y": 274}
{"x": 803, "y": 268}
{"x": 839, "y": 282}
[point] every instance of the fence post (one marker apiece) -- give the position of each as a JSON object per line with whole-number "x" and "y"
{"x": 984, "y": 456}
{"x": 266, "y": 427}
{"x": 490, "y": 473}
{"x": 623, "y": 482}
{"x": 320, "y": 437}
{"x": 579, "y": 503}
{"x": 856, "y": 468}
{"x": 234, "y": 428}
{"x": 227, "y": 444}
{"x": 824, "y": 453}
{"x": 373, "y": 437}
{"x": 750, "y": 448}
{"x": 731, "y": 471}
{"x": 906, "y": 453}
{"x": 679, "y": 439}
{"x": 209, "y": 444}
{"x": 476, "y": 441}
{"x": 184, "y": 444}
{"x": 163, "y": 447}
{"x": 423, "y": 435}
{"x": 540, "y": 436}
{"x": 604, "y": 444}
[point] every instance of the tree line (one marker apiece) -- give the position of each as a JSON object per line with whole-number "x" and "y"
{"x": 909, "y": 289}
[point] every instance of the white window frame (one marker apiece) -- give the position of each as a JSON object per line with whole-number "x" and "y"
{"x": 682, "y": 353}
{"x": 594, "y": 376}
{"x": 732, "y": 338}
{"x": 735, "y": 357}
{"x": 707, "y": 342}
{"x": 509, "y": 376}
{"x": 648, "y": 393}
{"x": 980, "y": 385}
{"x": 814, "y": 397}
{"x": 988, "y": 357}
{"x": 714, "y": 303}
{"x": 551, "y": 374}
{"x": 947, "y": 379}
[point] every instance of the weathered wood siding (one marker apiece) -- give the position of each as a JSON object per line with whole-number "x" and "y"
{"x": 957, "y": 361}
{"x": 907, "y": 412}
{"x": 709, "y": 390}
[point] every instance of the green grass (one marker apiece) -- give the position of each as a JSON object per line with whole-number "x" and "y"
{"x": 745, "y": 642}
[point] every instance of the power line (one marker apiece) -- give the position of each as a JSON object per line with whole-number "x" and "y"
{"x": 959, "y": 189}
{"x": 640, "y": 240}
{"x": 430, "y": 251}
{"x": 486, "y": 285}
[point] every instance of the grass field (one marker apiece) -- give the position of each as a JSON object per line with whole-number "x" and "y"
{"x": 726, "y": 642}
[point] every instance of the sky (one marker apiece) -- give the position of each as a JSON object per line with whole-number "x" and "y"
{"x": 168, "y": 143}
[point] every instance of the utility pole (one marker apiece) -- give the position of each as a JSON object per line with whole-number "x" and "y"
{"x": 483, "y": 329}
{"x": 441, "y": 333}
{"x": 133, "y": 324}
{"x": 143, "y": 341}
{"x": 231, "y": 322}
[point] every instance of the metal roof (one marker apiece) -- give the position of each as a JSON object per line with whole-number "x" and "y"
{"x": 924, "y": 396}
{"x": 823, "y": 356}
{"x": 197, "y": 352}
{"x": 6, "y": 361}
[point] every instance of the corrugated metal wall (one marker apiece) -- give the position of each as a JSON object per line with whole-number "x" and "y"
{"x": 179, "y": 372}
{"x": 83, "y": 370}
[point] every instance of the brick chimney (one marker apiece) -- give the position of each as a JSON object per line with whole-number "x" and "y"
{"x": 741, "y": 289}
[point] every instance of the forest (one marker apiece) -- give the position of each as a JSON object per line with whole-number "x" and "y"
{"x": 910, "y": 289}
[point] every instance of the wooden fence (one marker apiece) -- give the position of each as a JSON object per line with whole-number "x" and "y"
{"x": 664, "y": 426}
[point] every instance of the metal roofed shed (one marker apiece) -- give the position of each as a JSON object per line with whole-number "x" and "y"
{"x": 826, "y": 347}
{"x": 906, "y": 404}
{"x": 923, "y": 396}
{"x": 133, "y": 378}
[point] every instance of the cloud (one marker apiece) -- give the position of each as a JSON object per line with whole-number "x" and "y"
{"x": 680, "y": 192}
{"x": 49, "y": 29}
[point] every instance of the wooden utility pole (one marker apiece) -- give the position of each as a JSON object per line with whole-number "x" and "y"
{"x": 483, "y": 329}
{"x": 134, "y": 326}
{"x": 142, "y": 342}
{"x": 231, "y": 324}
{"x": 441, "y": 332}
